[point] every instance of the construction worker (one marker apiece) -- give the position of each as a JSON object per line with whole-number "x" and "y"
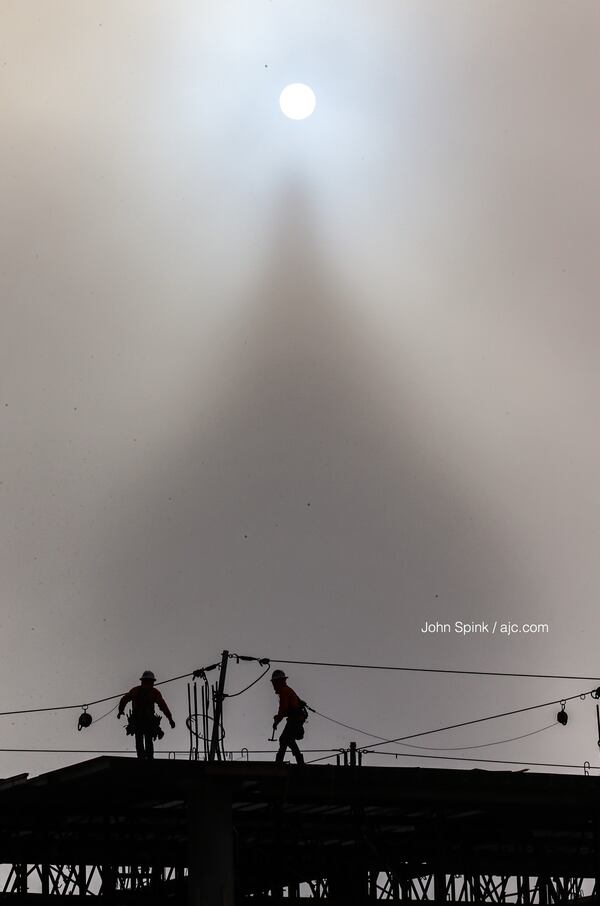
{"x": 143, "y": 723}
{"x": 293, "y": 710}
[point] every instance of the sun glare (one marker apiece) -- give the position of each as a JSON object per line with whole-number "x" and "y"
{"x": 297, "y": 101}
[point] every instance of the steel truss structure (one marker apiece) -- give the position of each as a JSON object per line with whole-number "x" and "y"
{"x": 84, "y": 880}
{"x": 485, "y": 889}
{"x": 257, "y": 834}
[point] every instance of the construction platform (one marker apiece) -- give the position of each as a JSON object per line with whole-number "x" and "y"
{"x": 225, "y": 833}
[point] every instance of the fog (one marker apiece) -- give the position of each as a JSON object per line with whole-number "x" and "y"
{"x": 295, "y": 388}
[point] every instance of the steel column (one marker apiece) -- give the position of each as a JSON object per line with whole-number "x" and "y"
{"x": 211, "y": 860}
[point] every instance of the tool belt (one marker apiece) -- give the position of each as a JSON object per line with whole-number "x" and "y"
{"x": 144, "y": 725}
{"x": 297, "y": 718}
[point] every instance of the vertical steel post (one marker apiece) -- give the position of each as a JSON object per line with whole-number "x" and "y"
{"x": 21, "y": 878}
{"x": 205, "y": 714}
{"x": 222, "y": 736}
{"x": 109, "y": 882}
{"x": 189, "y": 696}
{"x": 180, "y": 882}
{"x": 81, "y": 880}
{"x": 215, "y": 747}
{"x": 45, "y": 878}
{"x": 196, "y": 721}
{"x": 156, "y": 880}
{"x": 211, "y": 860}
{"x": 524, "y": 890}
{"x": 439, "y": 886}
{"x": 405, "y": 887}
{"x": 439, "y": 864}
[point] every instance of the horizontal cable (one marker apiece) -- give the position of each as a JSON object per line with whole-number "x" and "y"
{"x": 478, "y": 720}
{"x": 466, "y": 723}
{"x": 156, "y": 751}
{"x": 433, "y": 670}
{"x": 434, "y": 748}
{"x": 332, "y": 752}
{"x": 263, "y": 661}
{"x": 482, "y": 745}
{"x": 530, "y": 764}
{"x": 98, "y": 701}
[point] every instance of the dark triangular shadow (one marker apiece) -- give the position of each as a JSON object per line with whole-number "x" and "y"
{"x": 292, "y": 516}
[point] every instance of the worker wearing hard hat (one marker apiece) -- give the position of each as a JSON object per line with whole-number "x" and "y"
{"x": 293, "y": 709}
{"x": 143, "y": 722}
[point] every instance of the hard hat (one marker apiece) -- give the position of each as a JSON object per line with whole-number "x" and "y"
{"x": 278, "y": 674}
{"x": 147, "y": 674}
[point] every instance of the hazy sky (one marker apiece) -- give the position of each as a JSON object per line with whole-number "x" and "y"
{"x": 294, "y": 388}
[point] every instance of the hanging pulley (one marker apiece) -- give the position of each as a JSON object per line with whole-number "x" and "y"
{"x": 562, "y": 716}
{"x": 85, "y": 719}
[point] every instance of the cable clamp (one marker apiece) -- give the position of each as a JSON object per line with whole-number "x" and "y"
{"x": 200, "y": 673}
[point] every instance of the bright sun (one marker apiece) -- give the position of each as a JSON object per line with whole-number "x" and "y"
{"x": 297, "y": 101}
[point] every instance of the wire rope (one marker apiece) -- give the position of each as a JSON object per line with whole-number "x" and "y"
{"x": 98, "y": 701}
{"x": 483, "y": 745}
{"x": 436, "y": 748}
{"x": 96, "y": 719}
{"x": 529, "y": 764}
{"x": 245, "y": 689}
{"x": 466, "y": 723}
{"x": 156, "y": 751}
{"x": 478, "y": 720}
{"x": 433, "y": 670}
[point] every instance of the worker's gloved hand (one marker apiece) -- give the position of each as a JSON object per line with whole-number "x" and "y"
{"x": 172, "y": 722}
{"x": 119, "y": 715}
{"x": 275, "y": 720}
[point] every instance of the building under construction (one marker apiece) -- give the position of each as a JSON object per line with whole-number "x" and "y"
{"x": 223, "y": 833}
